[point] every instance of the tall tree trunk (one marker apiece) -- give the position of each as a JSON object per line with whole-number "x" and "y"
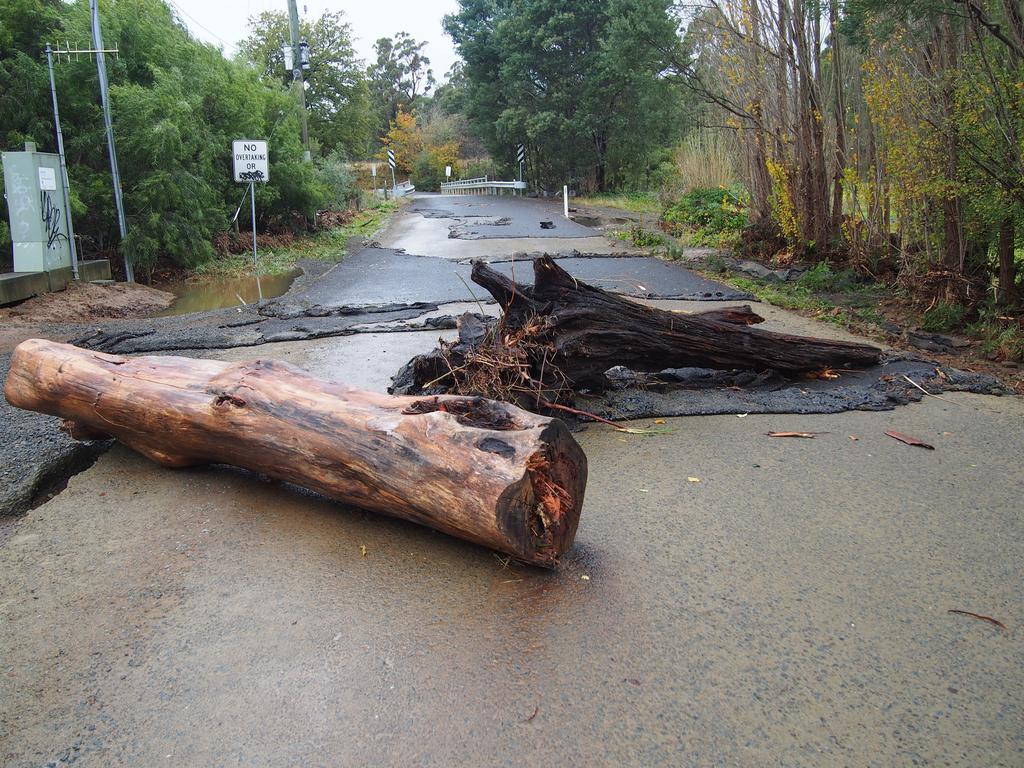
{"x": 953, "y": 246}
{"x": 1007, "y": 267}
{"x": 601, "y": 150}
{"x": 840, "y": 107}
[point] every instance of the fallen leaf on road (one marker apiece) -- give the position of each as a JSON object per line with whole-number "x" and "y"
{"x": 362, "y": 550}
{"x": 908, "y": 439}
{"x": 853, "y": 437}
{"x": 989, "y": 619}
{"x": 584, "y": 577}
{"x": 659, "y": 421}
{"x": 535, "y": 711}
{"x": 742, "y": 415}
{"x": 693, "y": 479}
{"x": 824, "y": 373}
{"x": 794, "y": 434}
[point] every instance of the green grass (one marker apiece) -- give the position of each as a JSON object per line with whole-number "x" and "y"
{"x": 638, "y": 237}
{"x": 1000, "y": 335}
{"x": 328, "y": 245}
{"x": 801, "y": 296}
{"x": 637, "y": 202}
{"x": 943, "y": 317}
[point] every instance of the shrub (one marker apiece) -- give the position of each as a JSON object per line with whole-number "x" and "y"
{"x": 943, "y": 317}
{"x": 705, "y": 215}
{"x": 821, "y": 277}
{"x": 336, "y": 184}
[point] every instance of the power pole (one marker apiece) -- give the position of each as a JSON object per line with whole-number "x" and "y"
{"x": 101, "y": 67}
{"x": 63, "y": 162}
{"x": 297, "y": 80}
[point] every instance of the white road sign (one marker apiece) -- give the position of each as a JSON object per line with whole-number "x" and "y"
{"x": 373, "y": 170}
{"x": 448, "y": 171}
{"x": 251, "y": 162}
{"x": 47, "y": 179}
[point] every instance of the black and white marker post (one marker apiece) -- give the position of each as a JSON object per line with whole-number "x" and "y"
{"x": 521, "y": 157}
{"x": 391, "y": 162}
{"x": 251, "y": 164}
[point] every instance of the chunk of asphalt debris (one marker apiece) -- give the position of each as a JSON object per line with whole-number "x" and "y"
{"x": 547, "y": 225}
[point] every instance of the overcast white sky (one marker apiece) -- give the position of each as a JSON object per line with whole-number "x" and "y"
{"x": 224, "y": 22}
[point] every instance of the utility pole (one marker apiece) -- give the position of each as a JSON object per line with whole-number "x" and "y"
{"x": 101, "y": 68}
{"x": 63, "y": 163}
{"x": 297, "y": 79}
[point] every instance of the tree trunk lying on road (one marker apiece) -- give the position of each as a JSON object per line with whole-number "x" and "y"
{"x": 474, "y": 468}
{"x": 570, "y": 333}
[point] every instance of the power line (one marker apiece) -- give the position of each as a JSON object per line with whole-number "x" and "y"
{"x": 195, "y": 21}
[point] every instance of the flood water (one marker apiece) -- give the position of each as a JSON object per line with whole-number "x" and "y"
{"x": 199, "y": 296}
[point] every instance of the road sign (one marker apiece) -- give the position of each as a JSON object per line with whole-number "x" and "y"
{"x": 250, "y": 160}
{"x": 47, "y": 179}
{"x": 373, "y": 170}
{"x": 391, "y": 158}
{"x": 447, "y": 171}
{"x": 520, "y": 153}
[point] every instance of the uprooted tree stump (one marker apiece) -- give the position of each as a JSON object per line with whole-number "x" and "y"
{"x": 561, "y": 335}
{"x": 477, "y": 469}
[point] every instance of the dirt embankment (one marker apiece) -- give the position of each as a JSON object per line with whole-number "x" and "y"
{"x": 81, "y": 302}
{"x": 78, "y": 303}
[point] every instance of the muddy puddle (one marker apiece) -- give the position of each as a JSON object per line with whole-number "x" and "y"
{"x": 199, "y": 296}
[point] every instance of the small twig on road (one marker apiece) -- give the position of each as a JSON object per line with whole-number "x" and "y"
{"x": 982, "y": 617}
{"x": 937, "y": 397}
{"x": 478, "y": 303}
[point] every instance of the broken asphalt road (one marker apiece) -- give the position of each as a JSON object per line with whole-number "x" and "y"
{"x": 788, "y": 606}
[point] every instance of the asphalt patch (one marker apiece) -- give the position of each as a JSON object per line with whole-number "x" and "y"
{"x": 703, "y": 392}
{"x": 36, "y": 457}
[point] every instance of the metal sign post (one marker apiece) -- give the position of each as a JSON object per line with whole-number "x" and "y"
{"x": 251, "y": 163}
{"x": 255, "y": 255}
{"x": 373, "y": 175}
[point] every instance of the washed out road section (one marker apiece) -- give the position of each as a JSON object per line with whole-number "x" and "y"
{"x": 381, "y": 275}
{"x": 498, "y": 216}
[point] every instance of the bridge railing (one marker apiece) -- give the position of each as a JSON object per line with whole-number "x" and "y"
{"x": 403, "y": 189}
{"x": 480, "y": 185}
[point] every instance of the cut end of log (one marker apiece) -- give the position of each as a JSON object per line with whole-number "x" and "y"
{"x": 558, "y": 497}
{"x": 538, "y": 516}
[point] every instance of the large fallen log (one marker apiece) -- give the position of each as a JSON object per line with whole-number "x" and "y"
{"x": 589, "y": 331}
{"x": 481, "y": 470}
{"x": 561, "y": 335}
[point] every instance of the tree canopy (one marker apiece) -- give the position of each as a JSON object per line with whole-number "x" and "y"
{"x": 337, "y": 94}
{"x": 581, "y": 83}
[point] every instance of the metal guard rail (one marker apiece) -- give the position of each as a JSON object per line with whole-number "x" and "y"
{"x": 481, "y": 183}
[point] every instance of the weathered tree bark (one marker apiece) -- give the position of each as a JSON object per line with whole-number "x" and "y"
{"x": 474, "y": 468}
{"x": 589, "y": 331}
{"x": 1007, "y": 267}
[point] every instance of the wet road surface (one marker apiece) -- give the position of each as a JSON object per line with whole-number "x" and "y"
{"x": 732, "y": 599}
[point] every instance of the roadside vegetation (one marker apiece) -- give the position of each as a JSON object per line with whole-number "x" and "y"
{"x": 279, "y": 254}
{"x": 177, "y": 104}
